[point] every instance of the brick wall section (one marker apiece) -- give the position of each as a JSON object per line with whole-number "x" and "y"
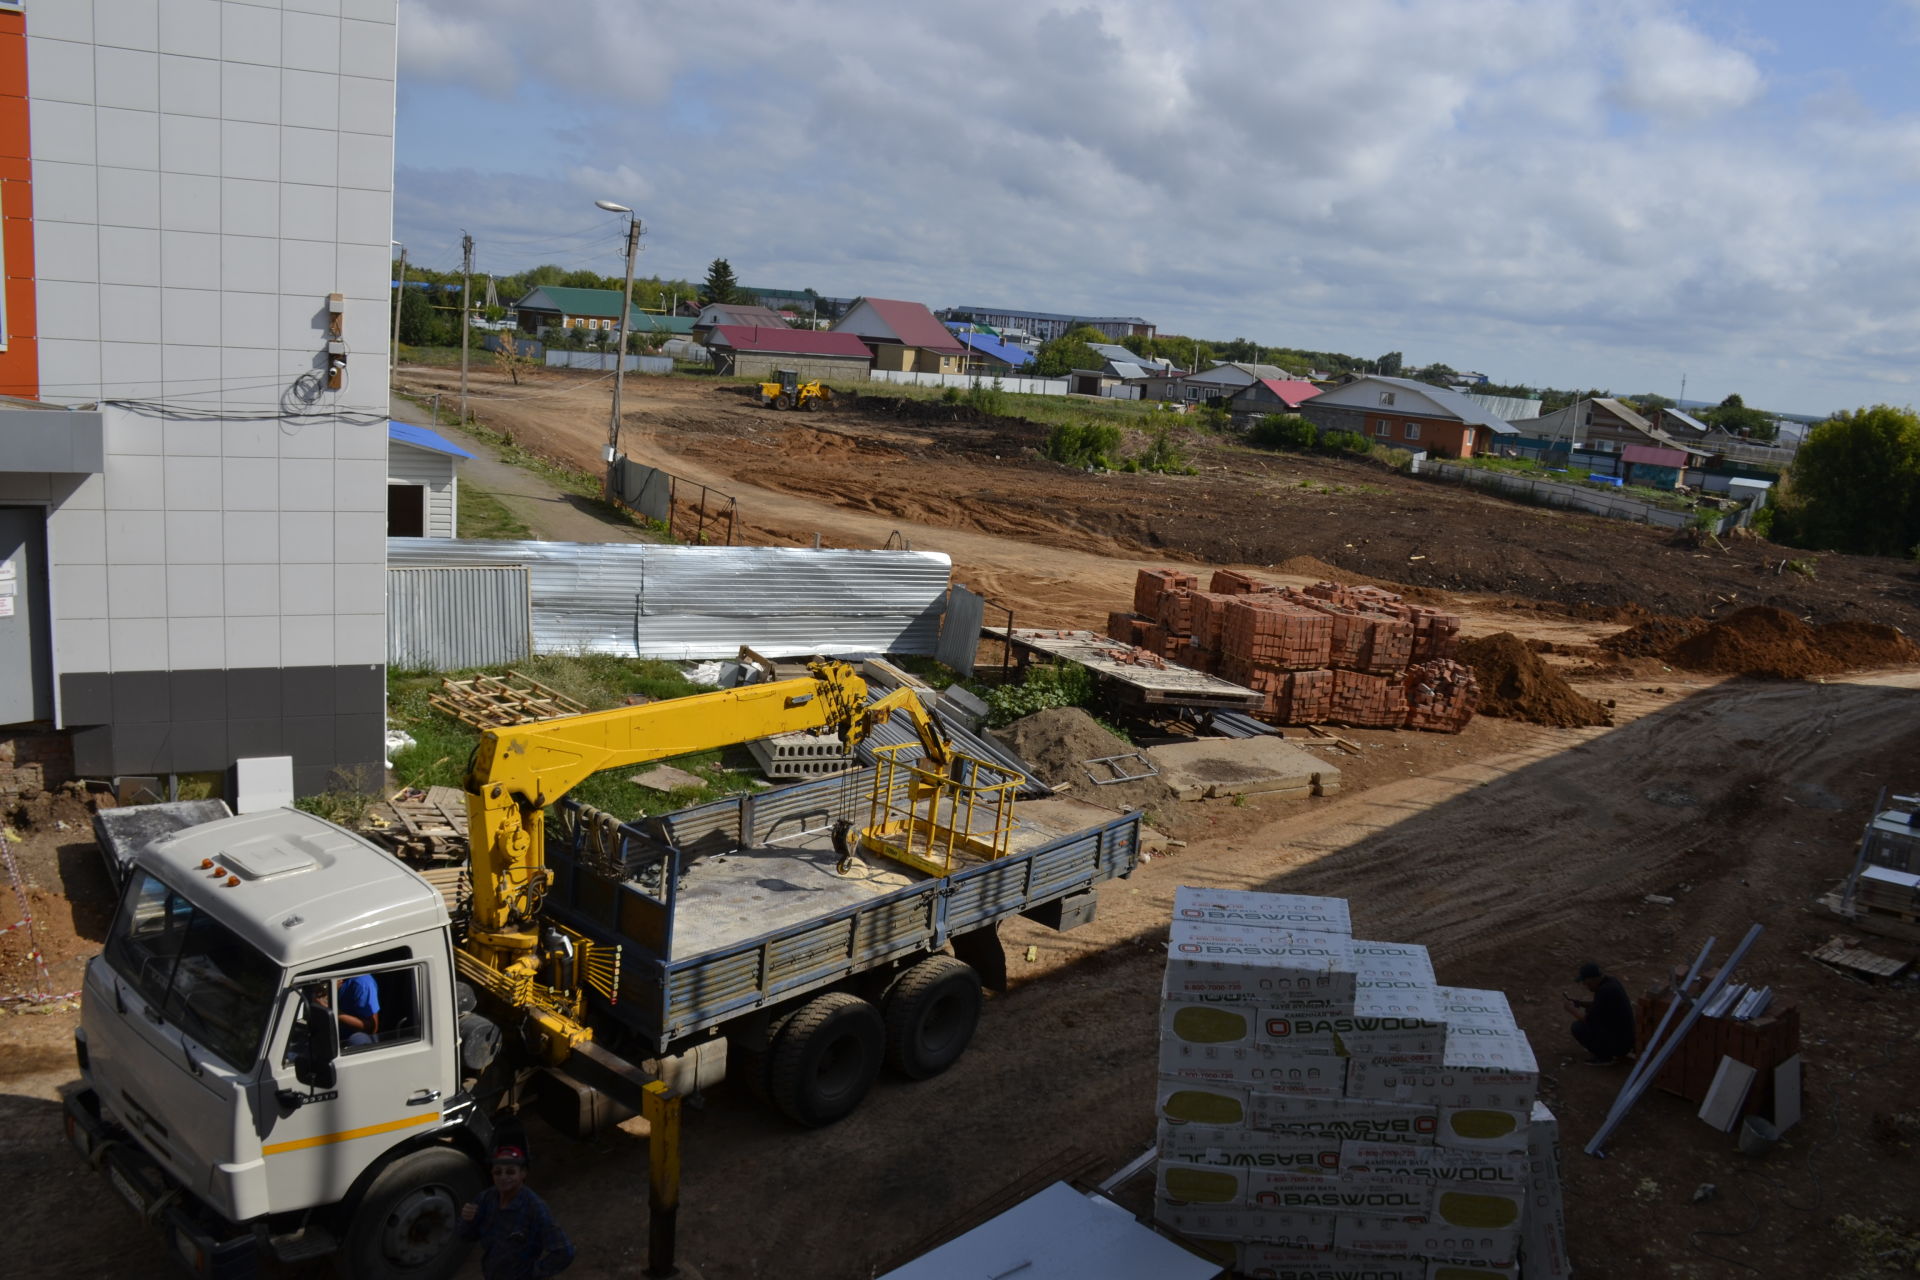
{"x": 1351, "y": 655}
{"x": 32, "y": 762}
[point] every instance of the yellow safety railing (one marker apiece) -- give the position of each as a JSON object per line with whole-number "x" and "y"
{"x": 926, "y": 818}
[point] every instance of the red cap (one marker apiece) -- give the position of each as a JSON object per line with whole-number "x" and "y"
{"x": 509, "y": 1155}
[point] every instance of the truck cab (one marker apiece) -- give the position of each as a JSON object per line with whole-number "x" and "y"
{"x": 269, "y": 1034}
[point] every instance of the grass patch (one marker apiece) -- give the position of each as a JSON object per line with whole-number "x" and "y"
{"x": 443, "y": 745}
{"x": 482, "y": 515}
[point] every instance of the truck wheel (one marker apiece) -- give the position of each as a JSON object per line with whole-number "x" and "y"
{"x": 403, "y": 1228}
{"x": 783, "y": 401}
{"x": 826, "y": 1059}
{"x": 931, "y": 1012}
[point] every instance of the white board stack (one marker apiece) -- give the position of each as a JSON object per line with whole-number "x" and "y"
{"x": 1326, "y": 1108}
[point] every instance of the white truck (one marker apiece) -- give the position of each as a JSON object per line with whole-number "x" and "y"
{"x": 288, "y": 1047}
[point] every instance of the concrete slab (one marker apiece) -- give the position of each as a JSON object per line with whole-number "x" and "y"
{"x": 665, "y": 777}
{"x": 1210, "y": 767}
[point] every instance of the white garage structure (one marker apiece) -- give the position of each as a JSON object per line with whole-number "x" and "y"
{"x": 423, "y": 482}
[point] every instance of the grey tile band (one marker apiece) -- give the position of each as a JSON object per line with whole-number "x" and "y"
{"x": 158, "y": 722}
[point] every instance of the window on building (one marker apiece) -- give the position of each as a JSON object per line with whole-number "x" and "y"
{"x": 1386, "y": 397}
{"x": 1412, "y": 432}
{"x": 1467, "y": 438}
{"x": 1383, "y": 428}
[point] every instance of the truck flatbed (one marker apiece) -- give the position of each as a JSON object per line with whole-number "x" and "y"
{"x": 732, "y": 906}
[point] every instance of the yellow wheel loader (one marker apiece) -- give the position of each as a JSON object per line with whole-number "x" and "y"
{"x": 788, "y": 392}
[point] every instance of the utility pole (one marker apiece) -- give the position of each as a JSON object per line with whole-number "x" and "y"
{"x": 466, "y": 282}
{"x": 620, "y": 356}
{"x": 399, "y": 292}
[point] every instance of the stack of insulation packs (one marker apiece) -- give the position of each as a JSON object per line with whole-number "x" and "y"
{"x": 1326, "y": 1109}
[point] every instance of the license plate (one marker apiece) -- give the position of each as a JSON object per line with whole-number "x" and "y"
{"x": 125, "y": 1189}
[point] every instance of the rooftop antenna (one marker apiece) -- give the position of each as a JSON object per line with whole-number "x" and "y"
{"x": 1683, "y": 391}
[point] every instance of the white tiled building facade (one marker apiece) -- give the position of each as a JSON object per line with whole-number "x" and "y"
{"x": 206, "y": 175}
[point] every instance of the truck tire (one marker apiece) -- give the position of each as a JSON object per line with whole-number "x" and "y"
{"x": 931, "y": 1011}
{"x": 783, "y": 401}
{"x": 403, "y": 1227}
{"x": 826, "y": 1059}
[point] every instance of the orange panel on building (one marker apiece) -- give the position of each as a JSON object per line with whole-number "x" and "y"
{"x": 19, "y": 362}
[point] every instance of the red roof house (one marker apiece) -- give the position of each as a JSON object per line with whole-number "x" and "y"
{"x": 902, "y": 336}
{"x": 752, "y": 351}
{"x": 1271, "y": 395}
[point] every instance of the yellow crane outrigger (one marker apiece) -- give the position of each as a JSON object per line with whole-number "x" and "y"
{"x": 519, "y": 771}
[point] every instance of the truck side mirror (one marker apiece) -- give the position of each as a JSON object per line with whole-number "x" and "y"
{"x": 314, "y": 1068}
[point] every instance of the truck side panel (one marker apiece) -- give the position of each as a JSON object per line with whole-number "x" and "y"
{"x": 668, "y": 1001}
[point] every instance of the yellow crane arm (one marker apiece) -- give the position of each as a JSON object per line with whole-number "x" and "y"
{"x": 517, "y": 772}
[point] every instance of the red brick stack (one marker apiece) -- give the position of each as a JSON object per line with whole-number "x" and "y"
{"x": 1441, "y": 695}
{"x": 1353, "y": 655}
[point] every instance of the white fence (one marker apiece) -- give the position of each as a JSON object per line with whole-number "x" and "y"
{"x": 604, "y": 360}
{"x": 1121, "y": 391}
{"x": 1547, "y": 493}
{"x": 1019, "y": 386}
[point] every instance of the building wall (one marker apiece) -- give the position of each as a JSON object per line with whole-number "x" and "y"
{"x": 204, "y": 176}
{"x": 893, "y": 356}
{"x": 1446, "y": 437}
{"x": 762, "y": 366}
{"x": 436, "y": 473}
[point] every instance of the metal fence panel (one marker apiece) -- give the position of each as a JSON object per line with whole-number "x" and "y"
{"x": 1549, "y": 494}
{"x": 449, "y": 619}
{"x": 1018, "y": 386}
{"x": 604, "y": 360}
{"x": 643, "y": 600}
{"x": 960, "y": 631}
{"x": 648, "y": 490}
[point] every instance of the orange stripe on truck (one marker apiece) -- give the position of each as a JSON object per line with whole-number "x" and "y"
{"x": 348, "y": 1135}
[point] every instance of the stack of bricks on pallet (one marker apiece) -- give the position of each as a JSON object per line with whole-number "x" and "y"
{"x": 1352, "y": 655}
{"x": 1326, "y": 1109}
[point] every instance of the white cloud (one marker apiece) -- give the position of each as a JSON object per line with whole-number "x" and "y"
{"x": 1447, "y": 177}
{"x": 1671, "y": 69}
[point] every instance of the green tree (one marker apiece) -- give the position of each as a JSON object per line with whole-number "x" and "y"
{"x": 1390, "y": 364}
{"x": 1651, "y": 403}
{"x": 720, "y": 286}
{"x": 1855, "y": 485}
{"x": 1734, "y": 417}
{"x": 420, "y": 324}
{"x": 1439, "y": 375}
{"x": 1068, "y": 352}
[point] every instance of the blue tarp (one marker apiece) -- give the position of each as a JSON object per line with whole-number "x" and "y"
{"x": 421, "y": 438}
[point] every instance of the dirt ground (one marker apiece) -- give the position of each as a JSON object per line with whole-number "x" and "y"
{"x": 1515, "y": 851}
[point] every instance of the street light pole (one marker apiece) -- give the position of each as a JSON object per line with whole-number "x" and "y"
{"x": 620, "y": 355}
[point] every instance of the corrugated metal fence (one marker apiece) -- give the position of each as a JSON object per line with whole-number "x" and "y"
{"x": 1019, "y": 386}
{"x": 448, "y": 619}
{"x": 1549, "y": 494}
{"x": 641, "y": 600}
{"x": 604, "y": 360}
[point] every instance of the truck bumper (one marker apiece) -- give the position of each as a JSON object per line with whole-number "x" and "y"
{"x": 205, "y": 1244}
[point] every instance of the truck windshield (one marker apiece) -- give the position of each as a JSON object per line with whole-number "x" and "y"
{"x": 193, "y": 970}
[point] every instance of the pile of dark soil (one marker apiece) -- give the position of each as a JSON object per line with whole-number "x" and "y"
{"x": 1058, "y": 742}
{"x": 1773, "y": 644}
{"x": 1516, "y": 685}
{"x": 1653, "y": 637}
{"x": 1866, "y": 644}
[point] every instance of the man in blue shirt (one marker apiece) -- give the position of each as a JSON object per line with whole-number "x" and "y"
{"x": 359, "y": 1010}
{"x": 519, "y": 1239}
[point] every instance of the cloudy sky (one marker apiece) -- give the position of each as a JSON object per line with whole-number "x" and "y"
{"x": 1616, "y": 193}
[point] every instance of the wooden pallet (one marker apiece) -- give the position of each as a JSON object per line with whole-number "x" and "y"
{"x": 1843, "y": 952}
{"x": 497, "y": 702}
{"x": 429, "y": 826}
